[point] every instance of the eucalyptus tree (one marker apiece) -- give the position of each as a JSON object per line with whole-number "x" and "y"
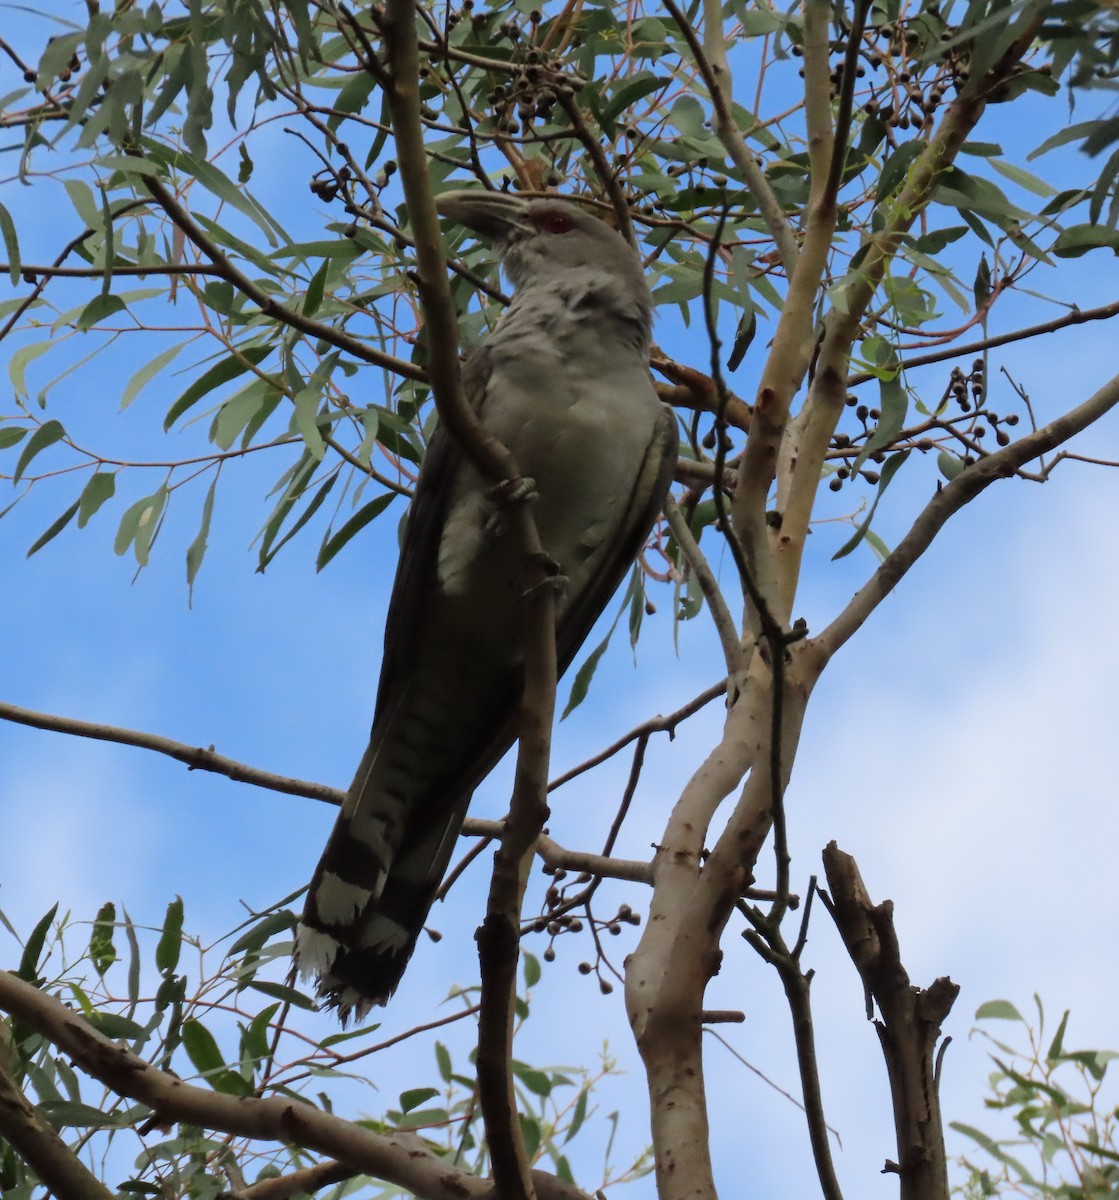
{"x": 248, "y": 190}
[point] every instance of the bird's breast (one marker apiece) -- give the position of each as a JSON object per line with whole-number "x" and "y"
{"x": 577, "y": 410}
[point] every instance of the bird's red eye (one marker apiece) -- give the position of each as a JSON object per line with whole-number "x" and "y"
{"x": 554, "y": 223}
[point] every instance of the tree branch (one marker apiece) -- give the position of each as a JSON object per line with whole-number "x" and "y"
{"x": 203, "y": 759}
{"x": 195, "y": 757}
{"x": 297, "y": 1183}
{"x": 39, "y": 1145}
{"x": 733, "y": 652}
{"x": 267, "y": 304}
{"x": 711, "y": 61}
{"x": 1078, "y": 316}
{"x": 398, "y": 1158}
{"x": 950, "y": 498}
{"x": 908, "y": 1031}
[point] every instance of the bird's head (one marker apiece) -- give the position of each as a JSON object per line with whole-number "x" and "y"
{"x": 539, "y": 239}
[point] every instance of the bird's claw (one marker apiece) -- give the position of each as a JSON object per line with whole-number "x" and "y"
{"x": 553, "y": 576}
{"x": 521, "y": 490}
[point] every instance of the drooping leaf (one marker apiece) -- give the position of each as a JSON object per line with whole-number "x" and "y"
{"x": 54, "y": 529}
{"x": 146, "y": 373}
{"x": 584, "y": 675}
{"x": 414, "y": 1097}
{"x": 171, "y": 938}
{"x": 221, "y": 372}
{"x": 100, "y": 487}
{"x": 33, "y": 947}
{"x": 11, "y": 244}
{"x": 46, "y": 435}
{"x": 334, "y": 541}
{"x": 998, "y": 1010}
{"x": 102, "y": 951}
{"x": 197, "y": 549}
{"x": 893, "y": 464}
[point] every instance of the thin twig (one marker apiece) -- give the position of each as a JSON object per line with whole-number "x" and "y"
{"x": 269, "y": 305}
{"x": 950, "y": 498}
{"x": 402, "y": 1159}
{"x": 733, "y": 653}
{"x": 195, "y": 757}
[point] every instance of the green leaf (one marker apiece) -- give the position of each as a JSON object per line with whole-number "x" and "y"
{"x": 634, "y": 89}
{"x": 201, "y": 1047}
{"x": 46, "y": 435}
{"x": 70, "y": 1114}
{"x": 1079, "y": 239}
{"x": 133, "y": 962}
{"x": 532, "y": 969}
{"x": 414, "y": 1097}
{"x": 1070, "y": 133}
{"x": 140, "y": 524}
{"x": 351, "y": 98}
{"x": 221, "y": 372}
{"x": 220, "y": 185}
{"x": 171, "y": 939}
{"x": 17, "y": 364}
{"x": 1056, "y": 1046}
{"x": 29, "y": 961}
{"x": 254, "y": 1039}
{"x": 11, "y": 244}
{"x": 312, "y": 302}
{"x": 536, "y": 1081}
{"x": 998, "y": 1010}
{"x": 244, "y": 412}
{"x": 55, "y": 528}
{"x": 893, "y": 401}
{"x": 146, "y": 373}
{"x": 578, "y": 1115}
{"x": 333, "y": 542}
{"x": 688, "y": 117}
{"x": 896, "y": 168}
{"x": 269, "y": 547}
{"x": 115, "y": 1026}
{"x": 949, "y": 465}
{"x": 102, "y": 952}
{"x": 443, "y": 1061}
{"x": 530, "y": 1132}
{"x": 584, "y": 676}
{"x": 893, "y": 465}
{"x": 100, "y": 487}
{"x": 280, "y": 991}
{"x": 307, "y": 404}
{"x": 128, "y": 164}
{"x": 10, "y": 435}
{"x": 1023, "y": 178}
{"x": 345, "y": 1036}
{"x": 81, "y": 197}
{"x": 934, "y": 242}
{"x": 197, "y": 549}
{"x": 255, "y": 937}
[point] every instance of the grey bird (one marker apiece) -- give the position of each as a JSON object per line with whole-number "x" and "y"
{"x": 563, "y": 381}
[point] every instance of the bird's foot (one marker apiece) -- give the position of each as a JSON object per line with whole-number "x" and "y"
{"x": 521, "y": 490}
{"x": 554, "y": 577}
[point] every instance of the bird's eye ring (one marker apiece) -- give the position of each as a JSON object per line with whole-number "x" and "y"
{"x": 554, "y": 223}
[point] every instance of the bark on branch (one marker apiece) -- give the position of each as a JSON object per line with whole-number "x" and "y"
{"x": 39, "y": 1145}
{"x": 403, "y": 1159}
{"x": 909, "y": 1028}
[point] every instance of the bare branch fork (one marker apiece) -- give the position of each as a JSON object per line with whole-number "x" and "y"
{"x": 909, "y": 1029}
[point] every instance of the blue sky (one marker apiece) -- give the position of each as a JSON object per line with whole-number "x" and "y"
{"x": 961, "y": 747}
